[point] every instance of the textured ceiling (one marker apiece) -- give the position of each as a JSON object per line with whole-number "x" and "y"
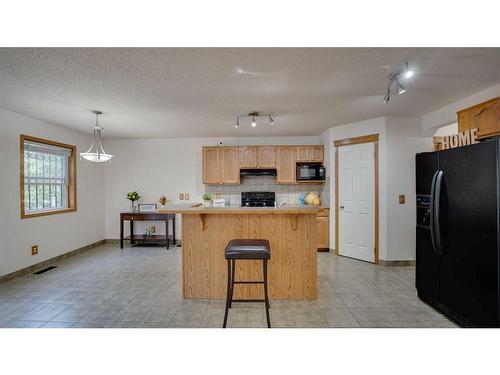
{"x": 191, "y": 92}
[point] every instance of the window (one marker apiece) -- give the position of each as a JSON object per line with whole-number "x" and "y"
{"x": 48, "y": 177}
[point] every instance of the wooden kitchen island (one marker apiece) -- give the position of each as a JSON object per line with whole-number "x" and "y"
{"x": 291, "y": 231}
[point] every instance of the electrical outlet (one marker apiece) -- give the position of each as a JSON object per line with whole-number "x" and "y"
{"x": 34, "y": 250}
{"x": 153, "y": 229}
{"x": 402, "y": 199}
{"x": 181, "y": 196}
{"x": 186, "y": 196}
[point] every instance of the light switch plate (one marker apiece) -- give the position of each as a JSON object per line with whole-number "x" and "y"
{"x": 402, "y": 199}
{"x": 186, "y": 196}
{"x": 181, "y": 196}
{"x": 34, "y": 250}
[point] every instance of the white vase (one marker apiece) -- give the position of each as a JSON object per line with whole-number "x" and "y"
{"x": 206, "y": 204}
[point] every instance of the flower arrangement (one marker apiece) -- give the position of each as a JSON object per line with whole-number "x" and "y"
{"x": 133, "y": 196}
{"x": 163, "y": 200}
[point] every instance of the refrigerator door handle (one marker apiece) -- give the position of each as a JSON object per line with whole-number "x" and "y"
{"x": 432, "y": 222}
{"x": 437, "y": 206}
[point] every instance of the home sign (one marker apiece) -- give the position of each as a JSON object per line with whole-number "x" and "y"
{"x": 464, "y": 138}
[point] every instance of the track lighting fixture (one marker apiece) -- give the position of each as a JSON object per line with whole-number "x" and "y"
{"x": 394, "y": 78}
{"x": 387, "y": 96}
{"x": 401, "y": 89}
{"x": 255, "y": 115}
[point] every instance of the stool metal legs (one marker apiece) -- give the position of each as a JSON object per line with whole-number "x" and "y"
{"x": 231, "y": 271}
{"x": 265, "y": 293}
{"x": 229, "y": 297}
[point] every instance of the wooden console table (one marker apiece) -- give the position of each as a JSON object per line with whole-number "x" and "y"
{"x": 149, "y": 216}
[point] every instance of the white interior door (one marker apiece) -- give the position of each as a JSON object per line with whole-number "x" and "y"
{"x": 357, "y": 201}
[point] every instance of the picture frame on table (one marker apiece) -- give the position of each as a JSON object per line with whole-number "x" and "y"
{"x": 147, "y": 207}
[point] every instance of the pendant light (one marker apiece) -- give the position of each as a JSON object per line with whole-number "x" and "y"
{"x": 96, "y": 152}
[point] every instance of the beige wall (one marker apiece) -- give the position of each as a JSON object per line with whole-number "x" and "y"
{"x": 55, "y": 234}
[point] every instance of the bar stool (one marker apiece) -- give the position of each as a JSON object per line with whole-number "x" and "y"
{"x": 246, "y": 250}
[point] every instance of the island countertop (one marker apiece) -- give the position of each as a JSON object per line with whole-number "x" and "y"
{"x": 197, "y": 208}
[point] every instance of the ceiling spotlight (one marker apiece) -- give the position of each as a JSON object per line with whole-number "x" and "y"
{"x": 408, "y": 73}
{"x": 401, "y": 89}
{"x": 271, "y": 120}
{"x": 387, "y": 97}
{"x": 237, "y": 125}
{"x": 254, "y": 124}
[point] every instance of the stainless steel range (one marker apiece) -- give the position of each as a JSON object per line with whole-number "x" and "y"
{"x": 258, "y": 199}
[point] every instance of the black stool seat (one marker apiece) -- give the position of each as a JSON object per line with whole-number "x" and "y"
{"x": 248, "y": 249}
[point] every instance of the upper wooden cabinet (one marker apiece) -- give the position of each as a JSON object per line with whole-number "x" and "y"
{"x": 302, "y": 153}
{"x": 211, "y": 165}
{"x": 285, "y": 164}
{"x": 484, "y": 116}
{"x": 222, "y": 164}
{"x": 316, "y": 153}
{"x": 230, "y": 165}
{"x": 248, "y": 157}
{"x": 309, "y": 153}
{"x": 266, "y": 157}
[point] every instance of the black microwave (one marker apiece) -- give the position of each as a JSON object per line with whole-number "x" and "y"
{"x": 310, "y": 171}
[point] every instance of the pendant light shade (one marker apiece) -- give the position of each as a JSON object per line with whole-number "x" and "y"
{"x": 96, "y": 152}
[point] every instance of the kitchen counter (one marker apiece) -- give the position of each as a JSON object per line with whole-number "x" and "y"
{"x": 189, "y": 208}
{"x": 290, "y": 229}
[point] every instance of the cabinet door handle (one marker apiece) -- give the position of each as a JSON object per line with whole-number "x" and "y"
{"x": 341, "y": 207}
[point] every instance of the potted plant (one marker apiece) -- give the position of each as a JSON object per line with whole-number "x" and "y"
{"x": 133, "y": 196}
{"x": 207, "y": 198}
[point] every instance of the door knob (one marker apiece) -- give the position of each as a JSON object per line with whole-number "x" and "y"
{"x": 341, "y": 207}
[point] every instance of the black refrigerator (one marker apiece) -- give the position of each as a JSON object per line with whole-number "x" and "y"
{"x": 457, "y": 232}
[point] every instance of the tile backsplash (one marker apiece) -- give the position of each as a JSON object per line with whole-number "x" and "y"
{"x": 284, "y": 193}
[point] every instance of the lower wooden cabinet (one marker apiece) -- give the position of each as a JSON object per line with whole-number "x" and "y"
{"x": 323, "y": 230}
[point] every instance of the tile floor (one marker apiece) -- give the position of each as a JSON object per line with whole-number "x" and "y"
{"x": 141, "y": 287}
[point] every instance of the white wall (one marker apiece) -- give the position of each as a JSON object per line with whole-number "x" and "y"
{"x": 55, "y": 234}
{"x": 168, "y": 166}
{"x": 357, "y": 129}
{"x": 448, "y": 114}
{"x": 403, "y": 141}
{"x": 399, "y": 141}
{"x": 446, "y": 130}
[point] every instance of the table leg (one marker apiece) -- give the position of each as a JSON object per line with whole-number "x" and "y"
{"x": 132, "y": 241}
{"x": 167, "y": 232}
{"x": 121, "y": 233}
{"x": 173, "y": 228}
